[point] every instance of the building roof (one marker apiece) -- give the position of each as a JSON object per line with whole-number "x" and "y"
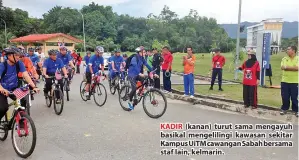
{"x": 43, "y": 37}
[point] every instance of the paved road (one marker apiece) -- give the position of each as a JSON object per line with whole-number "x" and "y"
{"x": 87, "y": 132}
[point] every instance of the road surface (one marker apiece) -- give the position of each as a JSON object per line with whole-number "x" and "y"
{"x": 85, "y": 131}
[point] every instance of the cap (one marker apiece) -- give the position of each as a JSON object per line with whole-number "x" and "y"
{"x": 216, "y": 50}
{"x": 30, "y": 49}
{"x": 251, "y": 52}
{"x": 88, "y": 52}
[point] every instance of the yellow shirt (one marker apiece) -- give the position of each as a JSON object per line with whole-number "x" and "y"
{"x": 289, "y": 76}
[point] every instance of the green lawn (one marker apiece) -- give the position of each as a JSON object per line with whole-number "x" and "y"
{"x": 266, "y": 96}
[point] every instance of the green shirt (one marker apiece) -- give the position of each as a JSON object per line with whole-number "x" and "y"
{"x": 149, "y": 60}
{"x": 289, "y": 76}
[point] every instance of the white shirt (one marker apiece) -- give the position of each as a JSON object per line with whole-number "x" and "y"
{"x": 41, "y": 56}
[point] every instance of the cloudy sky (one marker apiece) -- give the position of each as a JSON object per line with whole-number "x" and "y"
{"x": 225, "y": 11}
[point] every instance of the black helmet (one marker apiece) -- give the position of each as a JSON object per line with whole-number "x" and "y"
{"x": 52, "y": 52}
{"x": 30, "y": 49}
{"x": 11, "y": 50}
{"x": 88, "y": 52}
{"x": 125, "y": 55}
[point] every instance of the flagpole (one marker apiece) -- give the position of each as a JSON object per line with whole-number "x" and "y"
{"x": 238, "y": 40}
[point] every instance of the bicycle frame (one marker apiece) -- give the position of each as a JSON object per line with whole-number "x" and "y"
{"x": 16, "y": 116}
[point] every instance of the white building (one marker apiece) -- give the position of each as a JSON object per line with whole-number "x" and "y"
{"x": 272, "y": 25}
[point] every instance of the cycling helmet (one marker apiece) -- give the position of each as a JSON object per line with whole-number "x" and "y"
{"x": 30, "y": 49}
{"x": 125, "y": 55}
{"x": 11, "y": 50}
{"x": 139, "y": 49}
{"x": 38, "y": 48}
{"x": 62, "y": 48}
{"x": 88, "y": 52}
{"x": 100, "y": 49}
{"x": 52, "y": 52}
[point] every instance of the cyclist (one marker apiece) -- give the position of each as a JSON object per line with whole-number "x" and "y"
{"x": 9, "y": 78}
{"x": 66, "y": 59}
{"x": 34, "y": 58}
{"x": 86, "y": 58}
{"x": 116, "y": 63}
{"x": 134, "y": 75}
{"x": 50, "y": 67}
{"x": 41, "y": 57}
{"x": 110, "y": 64}
{"x": 95, "y": 62}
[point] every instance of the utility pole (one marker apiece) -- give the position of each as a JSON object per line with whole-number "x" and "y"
{"x": 238, "y": 39}
{"x": 83, "y": 32}
{"x": 5, "y": 32}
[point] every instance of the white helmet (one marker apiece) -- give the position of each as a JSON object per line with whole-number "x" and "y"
{"x": 100, "y": 49}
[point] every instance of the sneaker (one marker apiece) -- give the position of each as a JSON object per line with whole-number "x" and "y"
{"x": 131, "y": 107}
{"x": 254, "y": 107}
{"x": 220, "y": 89}
{"x": 211, "y": 88}
{"x": 87, "y": 97}
{"x": 282, "y": 112}
{"x": 185, "y": 95}
{"x": 191, "y": 96}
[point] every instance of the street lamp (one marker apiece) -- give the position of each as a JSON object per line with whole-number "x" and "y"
{"x": 5, "y": 32}
{"x": 83, "y": 32}
{"x": 238, "y": 39}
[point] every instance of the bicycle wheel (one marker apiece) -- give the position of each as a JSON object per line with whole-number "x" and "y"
{"x": 58, "y": 95}
{"x": 112, "y": 87}
{"x": 3, "y": 129}
{"x": 153, "y": 95}
{"x": 28, "y": 105}
{"x": 100, "y": 90}
{"x": 48, "y": 101}
{"x": 82, "y": 90}
{"x": 28, "y": 124}
{"x": 124, "y": 97}
{"x": 67, "y": 87}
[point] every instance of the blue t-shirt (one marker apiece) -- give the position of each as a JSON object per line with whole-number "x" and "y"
{"x": 34, "y": 58}
{"x": 52, "y": 65}
{"x": 96, "y": 62}
{"x": 86, "y": 59}
{"x": 109, "y": 62}
{"x": 65, "y": 58}
{"x": 10, "y": 79}
{"x": 136, "y": 66}
{"x": 118, "y": 60}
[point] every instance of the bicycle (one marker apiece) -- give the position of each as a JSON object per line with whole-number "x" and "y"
{"x": 18, "y": 121}
{"x": 96, "y": 83}
{"x": 66, "y": 87}
{"x": 119, "y": 81}
{"x": 144, "y": 91}
{"x": 55, "y": 94}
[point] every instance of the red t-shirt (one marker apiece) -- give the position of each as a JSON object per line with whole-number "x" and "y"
{"x": 74, "y": 55}
{"x": 218, "y": 61}
{"x": 250, "y": 74}
{"x": 167, "y": 61}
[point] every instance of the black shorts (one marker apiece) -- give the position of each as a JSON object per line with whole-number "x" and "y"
{"x": 88, "y": 76}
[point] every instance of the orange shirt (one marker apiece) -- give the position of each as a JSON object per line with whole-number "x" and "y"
{"x": 189, "y": 68}
{"x": 28, "y": 65}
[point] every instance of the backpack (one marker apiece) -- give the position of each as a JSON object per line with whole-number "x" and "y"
{"x": 5, "y": 68}
{"x": 128, "y": 61}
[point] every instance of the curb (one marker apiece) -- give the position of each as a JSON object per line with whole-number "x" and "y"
{"x": 262, "y": 106}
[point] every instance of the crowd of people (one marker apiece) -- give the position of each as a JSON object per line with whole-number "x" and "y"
{"x": 32, "y": 66}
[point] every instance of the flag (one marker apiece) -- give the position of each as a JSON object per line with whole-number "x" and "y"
{"x": 19, "y": 93}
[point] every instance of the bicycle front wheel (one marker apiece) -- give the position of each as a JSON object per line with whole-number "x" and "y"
{"x": 157, "y": 101}
{"x": 24, "y": 128}
{"x": 101, "y": 92}
{"x": 124, "y": 97}
{"x": 3, "y": 128}
{"x": 58, "y": 101}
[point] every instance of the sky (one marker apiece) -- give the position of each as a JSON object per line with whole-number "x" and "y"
{"x": 225, "y": 11}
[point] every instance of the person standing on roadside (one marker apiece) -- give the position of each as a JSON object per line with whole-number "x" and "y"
{"x": 149, "y": 59}
{"x": 157, "y": 61}
{"x": 189, "y": 63}
{"x": 166, "y": 68}
{"x": 289, "y": 81}
{"x": 218, "y": 62}
{"x": 251, "y": 79}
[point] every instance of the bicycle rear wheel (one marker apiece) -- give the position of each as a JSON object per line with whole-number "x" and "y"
{"x": 28, "y": 124}
{"x": 82, "y": 90}
{"x": 67, "y": 87}
{"x": 154, "y": 95}
{"x": 112, "y": 87}
{"x": 124, "y": 97}
{"x": 58, "y": 95}
{"x": 3, "y": 129}
{"x": 100, "y": 90}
